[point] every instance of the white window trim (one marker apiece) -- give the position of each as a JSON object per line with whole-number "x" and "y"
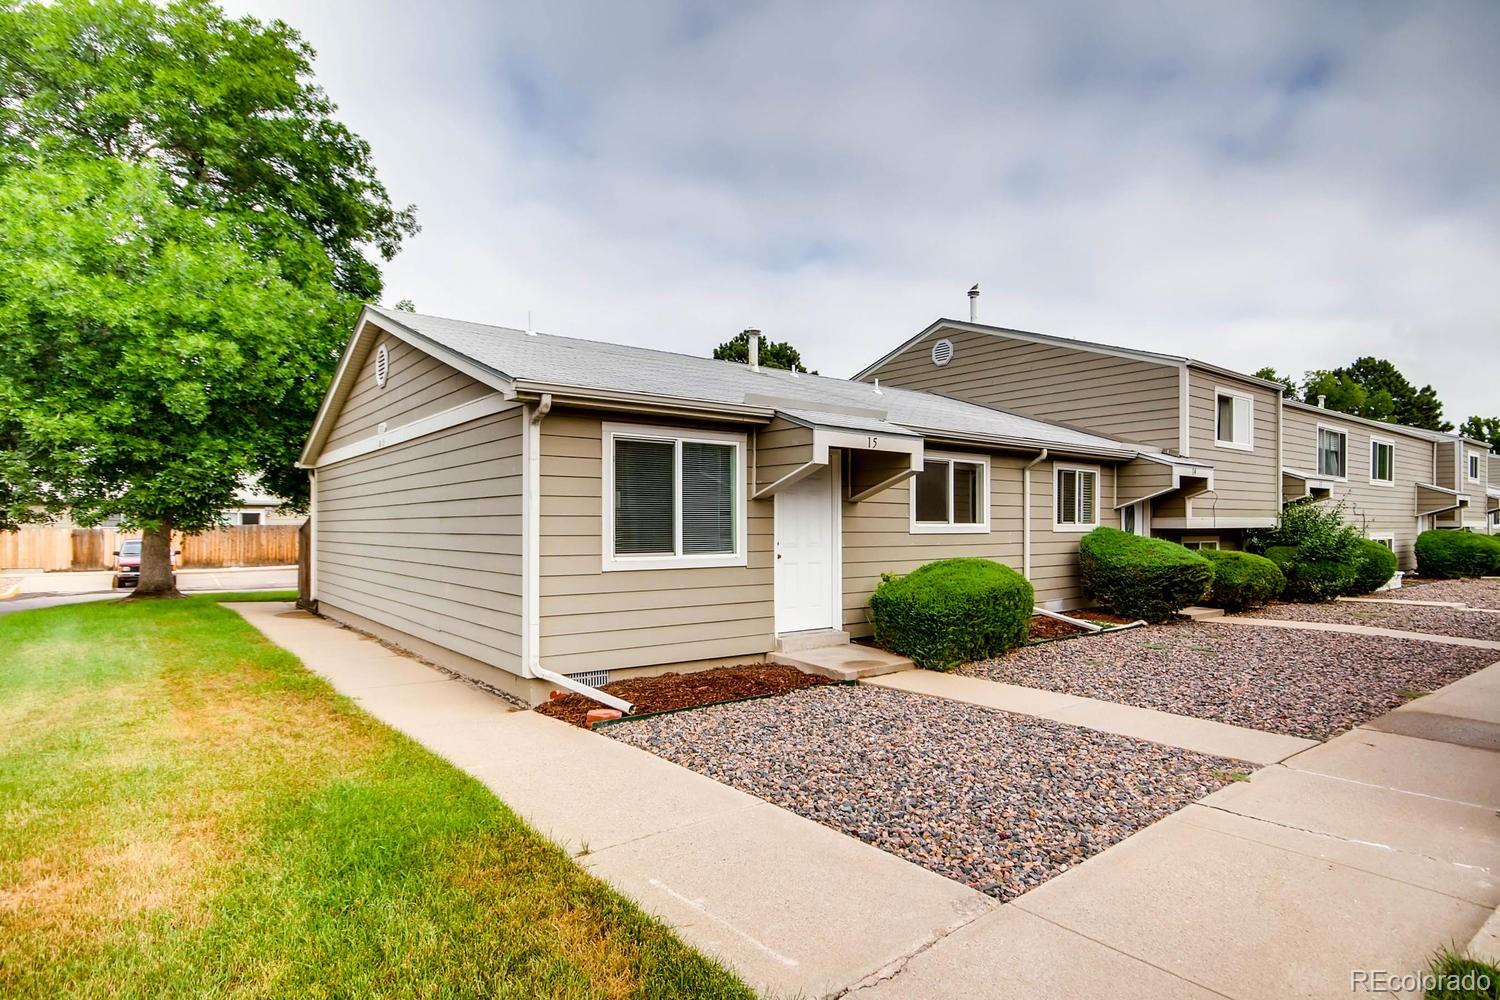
{"x": 1474, "y": 459}
{"x": 676, "y": 435}
{"x": 1384, "y": 536}
{"x": 1318, "y": 452}
{"x": 1057, "y": 470}
{"x": 1386, "y": 441}
{"x": 1234, "y": 394}
{"x": 934, "y": 528}
{"x": 1210, "y": 541}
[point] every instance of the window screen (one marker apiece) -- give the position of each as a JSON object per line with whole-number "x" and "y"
{"x": 1382, "y": 459}
{"x": 966, "y": 502}
{"x": 1331, "y": 453}
{"x": 932, "y": 493}
{"x": 1076, "y": 496}
{"x": 1234, "y": 419}
{"x": 645, "y": 485}
{"x": 707, "y": 498}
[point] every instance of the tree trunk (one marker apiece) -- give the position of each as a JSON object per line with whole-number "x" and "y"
{"x": 156, "y": 563}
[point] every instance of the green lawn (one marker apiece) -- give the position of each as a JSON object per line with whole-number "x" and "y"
{"x": 186, "y": 811}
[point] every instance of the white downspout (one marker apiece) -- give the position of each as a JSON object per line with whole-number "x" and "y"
{"x": 1026, "y": 511}
{"x": 312, "y": 536}
{"x": 531, "y": 574}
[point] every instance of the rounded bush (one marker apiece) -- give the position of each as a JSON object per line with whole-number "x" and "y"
{"x": 1311, "y": 580}
{"x": 952, "y": 611}
{"x": 1242, "y": 580}
{"x": 1137, "y": 577}
{"x": 1374, "y": 565}
{"x": 1456, "y": 554}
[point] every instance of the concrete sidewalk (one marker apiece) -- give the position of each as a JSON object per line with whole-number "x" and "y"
{"x": 1202, "y": 735}
{"x": 1367, "y": 852}
{"x": 792, "y": 906}
{"x": 188, "y": 580}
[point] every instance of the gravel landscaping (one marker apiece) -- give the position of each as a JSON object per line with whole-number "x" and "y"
{"x": 1405, "y": 617}
{"x": 1289, "y": 681}
{"x": 1474, "y": 593}
{"x": 997, "y": 801}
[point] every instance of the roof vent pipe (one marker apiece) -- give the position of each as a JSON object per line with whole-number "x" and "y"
{"x": 753, "y": 337}
{"x": 1321, "y": 401}
{"x": 974, "y": 304}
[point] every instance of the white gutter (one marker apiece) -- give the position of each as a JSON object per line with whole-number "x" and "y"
{"x": 578, "y": 687}
{"x": 1026, "y": 512}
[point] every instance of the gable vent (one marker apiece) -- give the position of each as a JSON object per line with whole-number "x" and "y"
{"x": 382, "y": 365}
{"x": 942, "y": 352}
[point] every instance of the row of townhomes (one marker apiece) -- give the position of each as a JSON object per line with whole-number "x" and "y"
{"x": 528, "y": 508}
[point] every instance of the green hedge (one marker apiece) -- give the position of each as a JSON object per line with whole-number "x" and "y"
{"x": 952, "y": 611}
{"x": 1242, "y": 580}
{"x": 1312, "y": 580}
{"x": 1374, "y": 565}
{"x": 1456, "y": 554}
{"x": 1139, "y": 577}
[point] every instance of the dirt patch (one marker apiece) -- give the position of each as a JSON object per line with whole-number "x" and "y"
{"x": 1100, "y": 617}
{"x": 666, "y": 692}
{"x": 1044, "y": 628}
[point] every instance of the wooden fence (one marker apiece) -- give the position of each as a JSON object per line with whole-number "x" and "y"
{"x": 52, "y": 548}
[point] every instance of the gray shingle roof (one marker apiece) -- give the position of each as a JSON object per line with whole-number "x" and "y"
{"x": 587, "y": 364}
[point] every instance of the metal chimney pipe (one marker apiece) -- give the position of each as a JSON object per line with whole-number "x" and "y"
{"x": 974, "y": 304}
{"x": 754, "y": 343}
{"x": 1321, "y": 401}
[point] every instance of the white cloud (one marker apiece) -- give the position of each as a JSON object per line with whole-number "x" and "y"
{"x": 1278, "y": 183}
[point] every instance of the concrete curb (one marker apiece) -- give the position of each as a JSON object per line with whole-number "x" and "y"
{"x": 1384, "y": 633}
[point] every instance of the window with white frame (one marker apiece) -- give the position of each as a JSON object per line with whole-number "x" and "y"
{"x": 1333, "y": 453}
{"x": 1234, "y": 419}
{"x": 1474, "y": 474}
{"x": 672, "y": 498}
{"x": 1077, "y": 493}
{"x": 1389, "y": 541}
{"x": 1382, "y": 461}
{"x": 1200, "y": 543}
{"x": 950, "y": 494}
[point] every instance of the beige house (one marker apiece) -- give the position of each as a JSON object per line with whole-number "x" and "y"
{"x": 525, "y": 507}
{"x": 1224, "y": 424}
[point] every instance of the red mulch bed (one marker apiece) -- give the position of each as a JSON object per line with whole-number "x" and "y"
{"x": 666, "y": 692}
{"x": 1043, "y": 628}
{"x": 1100, "y": 616}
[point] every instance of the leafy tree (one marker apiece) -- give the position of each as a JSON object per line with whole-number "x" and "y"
{"x": 1289, "y": 388}
{"x": 1483, "y": 429}
{"x": 150, "y": 360}
{"x": 258, "y": 190}
{"x": 225, "y": 107}
{"x": 1375, "y": 388}
{"x": 773, "y": 353}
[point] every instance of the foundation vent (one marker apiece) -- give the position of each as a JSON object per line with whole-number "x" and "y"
{"x": 593, "y": 678}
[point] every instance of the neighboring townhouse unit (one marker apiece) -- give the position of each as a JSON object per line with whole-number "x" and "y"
{"x": 1226, "y": 425}
{"x": 1390, "y": 479}
{"x": 522, "y": 506}
{"x": 1492, "y": 494}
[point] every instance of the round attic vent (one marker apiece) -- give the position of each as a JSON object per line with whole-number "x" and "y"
{"x": 382, "y": 365}
{"x": 942, "y": 352}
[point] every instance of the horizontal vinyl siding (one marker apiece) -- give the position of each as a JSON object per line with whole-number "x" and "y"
{"x": 1246, "y": 483}
{"x": 425, "y": 537}
{"x": 593, "y": 620}
{"x": 781, "y": 447}
{"x": 419, "y": 385}
{"x": 877, "y": 538}
{"x": 1475, "y": 517}
{"x": 1374, "y": 509}
{"x": 1121, "y": 397}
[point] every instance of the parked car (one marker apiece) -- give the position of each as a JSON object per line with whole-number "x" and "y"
{"x": 128, "y": 564}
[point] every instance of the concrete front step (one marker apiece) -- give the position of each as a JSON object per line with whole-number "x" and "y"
{"x": 843, "y": 663}
{"x": 1198, "y": 614}
{"x": 790, "y": 642}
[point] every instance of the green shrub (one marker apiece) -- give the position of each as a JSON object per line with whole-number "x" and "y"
{"x": 952, "y": 611}
{"x": 1319, "y": 530}
{"x": 1457, "y": 554}
{"x": 1242, "y": 580}
{"x": 1374, "y": 565}
{"x": 1139, "y": 577}
{"x": 1311, "y": 580}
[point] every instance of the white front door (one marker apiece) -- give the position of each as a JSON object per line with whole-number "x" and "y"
{"x": 805, "y": 554}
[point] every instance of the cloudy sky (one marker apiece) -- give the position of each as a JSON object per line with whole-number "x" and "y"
{"x": 1292, "y": 184}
